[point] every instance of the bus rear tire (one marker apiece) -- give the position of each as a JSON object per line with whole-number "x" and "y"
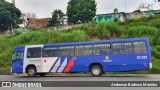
{"x": 31, "y": 71}
{"x": 96, "y": 70}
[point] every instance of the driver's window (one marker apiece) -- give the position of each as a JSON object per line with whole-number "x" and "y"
{"x": 17, "y": 56}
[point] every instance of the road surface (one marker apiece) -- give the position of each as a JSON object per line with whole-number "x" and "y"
{"x": 83, "y": 77}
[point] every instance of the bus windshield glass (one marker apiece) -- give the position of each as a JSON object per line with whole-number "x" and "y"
{"x": 17, "y": 56}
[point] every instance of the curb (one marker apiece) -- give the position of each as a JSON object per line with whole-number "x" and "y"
{"x": 5, "y": 72}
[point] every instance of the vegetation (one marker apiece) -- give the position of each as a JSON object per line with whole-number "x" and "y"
{"x": 9, "y": 16}
{"x": 144, "y": 27}
{"x": 56, "y": 17}
{"x": 115, "y": 10}
{"x": 81, "y": 10}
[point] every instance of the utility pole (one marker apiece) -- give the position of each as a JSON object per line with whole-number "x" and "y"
{"x": 125, "y": 5}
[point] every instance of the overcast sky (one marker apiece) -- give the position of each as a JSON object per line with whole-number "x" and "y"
{"x": 44, "y": 8}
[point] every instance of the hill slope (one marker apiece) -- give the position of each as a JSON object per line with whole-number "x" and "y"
{"x": 144, "y": 27}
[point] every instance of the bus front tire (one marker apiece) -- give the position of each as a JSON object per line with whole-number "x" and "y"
{"x": 31, "y": 71}
{"x": 96, "y": 70}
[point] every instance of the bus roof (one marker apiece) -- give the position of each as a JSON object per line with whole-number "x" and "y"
{"x": 19, "y": 48}
{"x": 94, "y": 42}
{"x": 89, "y": 42}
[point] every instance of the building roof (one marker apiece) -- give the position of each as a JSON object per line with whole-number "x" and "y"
{"x": 37, "y": 22}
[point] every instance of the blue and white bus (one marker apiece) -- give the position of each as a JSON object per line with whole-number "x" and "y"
{"x": 96, "y": 57}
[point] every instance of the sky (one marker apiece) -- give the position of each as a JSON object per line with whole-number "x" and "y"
{"x": 44, "y": 8}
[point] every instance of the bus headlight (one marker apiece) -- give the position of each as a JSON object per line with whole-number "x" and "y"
{"x": 11, "y": 70}
{"x": 150, "y": 65}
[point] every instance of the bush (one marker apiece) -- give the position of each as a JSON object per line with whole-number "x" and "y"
{"x": 17, "y": 32}
{"x": 142, "y": 31}
{"x": 73, "y": 36}
{"x": 107, "y": 30}
{"x": 155, "y": 23}
{"x": 156, "y": 51}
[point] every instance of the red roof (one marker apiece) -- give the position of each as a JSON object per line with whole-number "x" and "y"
{"x": 37, "y": 23}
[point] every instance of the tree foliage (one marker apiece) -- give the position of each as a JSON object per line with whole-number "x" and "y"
{"x": 145, "y": 6}
{"x": 81, "y": 10}
{"x": 115, "y": 10}
{"x": 9, "y": 16}
{"x": 56, "y": 17}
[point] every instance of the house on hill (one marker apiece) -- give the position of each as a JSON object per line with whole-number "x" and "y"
{"x": 110, "y": 17}
{"x": 37, "y": 23}
{"x": 121, "y": 16}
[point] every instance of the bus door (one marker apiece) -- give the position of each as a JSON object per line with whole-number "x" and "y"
{"x": 34, "y": 57}
{"x": 17, "y": 61}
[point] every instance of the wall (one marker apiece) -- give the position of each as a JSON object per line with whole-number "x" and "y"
{"x": 111, "y": 17}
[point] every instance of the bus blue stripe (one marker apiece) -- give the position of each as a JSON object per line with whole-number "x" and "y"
{"x": 54, "y": 64}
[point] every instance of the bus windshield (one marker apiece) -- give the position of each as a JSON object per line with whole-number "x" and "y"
{"x": 17, "y": 56}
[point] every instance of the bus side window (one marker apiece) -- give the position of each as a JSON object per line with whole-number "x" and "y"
{"x": 34, "y": 52}
{"x": 66, "y": 51}
{"x": 97, "y": 49}
{"x": 127, "y": 48}
{"x": 116, "y": 48}
{"x": 49, "y": 52}
{"x": 140, "y": 47}
{"x": 78, "y": 51}
{"x": 87, "y": 50}
{"x": 83, "y": 50}
{"x": 101, "y": 49}
{"x": 106, "y": 49}
{"x": 53, "y": 52}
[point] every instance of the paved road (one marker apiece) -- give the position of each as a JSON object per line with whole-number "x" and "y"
{"x": 83, "y": 77}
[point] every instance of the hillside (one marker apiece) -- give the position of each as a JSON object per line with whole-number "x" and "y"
{"x": 144, "y": 27}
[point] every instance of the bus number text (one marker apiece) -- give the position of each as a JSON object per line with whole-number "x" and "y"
{"x": 141, "y": 57}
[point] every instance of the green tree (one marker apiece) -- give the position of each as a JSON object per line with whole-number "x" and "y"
{"x": 115, "y": 10}
{"x": 56, "y": 17}
{"x": 81, "y": 10}
{"x": 9, "y": 16}
{"x": 145, "y": 6}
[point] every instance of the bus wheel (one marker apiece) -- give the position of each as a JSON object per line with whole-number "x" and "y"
{"x": 42, "y": 74}
{"x": 31, "y": 71}
{"x": 96, "y": 70}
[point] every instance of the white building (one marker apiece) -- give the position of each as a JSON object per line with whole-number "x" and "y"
{"x": 156, "y": 5}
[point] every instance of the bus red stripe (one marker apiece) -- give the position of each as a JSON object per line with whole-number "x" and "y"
{"x": 70, "y": 64}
